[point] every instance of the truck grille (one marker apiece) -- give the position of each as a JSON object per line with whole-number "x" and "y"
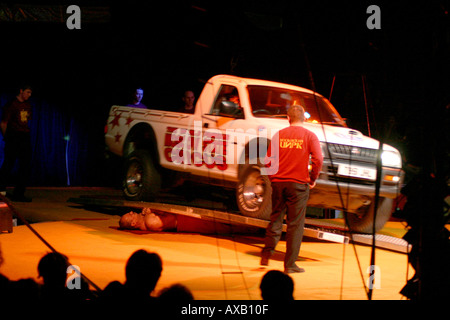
{"x": 358, "y": 153}
{"x": 349, "y": 154}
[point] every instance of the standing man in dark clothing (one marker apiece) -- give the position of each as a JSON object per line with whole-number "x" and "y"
{"x": 290, "y": 186}
{"x": 16, "y": 134}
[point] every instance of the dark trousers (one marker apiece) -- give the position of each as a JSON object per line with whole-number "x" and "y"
{"x": 17, "y": 148}
{"x": 290, "y": 199}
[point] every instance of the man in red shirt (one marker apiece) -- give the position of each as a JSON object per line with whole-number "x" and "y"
{"x": 293, "y": 147}
{"x": 16, "y": 134}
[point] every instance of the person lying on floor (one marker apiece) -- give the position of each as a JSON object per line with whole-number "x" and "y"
{"x": 162, "y": 221}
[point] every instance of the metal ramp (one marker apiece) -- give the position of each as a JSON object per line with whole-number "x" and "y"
{"x": 314, "y": 228}
{"x": 381, "y": 241}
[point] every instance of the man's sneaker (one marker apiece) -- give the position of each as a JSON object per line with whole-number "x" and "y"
{"x": 294, "y": 269}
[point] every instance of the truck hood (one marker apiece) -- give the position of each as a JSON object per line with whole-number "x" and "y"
{"x": 326, "y": 133}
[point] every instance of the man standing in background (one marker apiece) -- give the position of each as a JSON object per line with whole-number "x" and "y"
{"x": 15, "y": 128}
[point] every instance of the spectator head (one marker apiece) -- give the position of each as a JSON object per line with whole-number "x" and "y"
{"x": 143, "y": 270}
{"x": 53, "y": 269}
{"x": 277, "y": 286}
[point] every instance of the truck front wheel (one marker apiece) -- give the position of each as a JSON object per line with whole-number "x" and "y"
{"x": 253, "y": 193}
{"x": 364, "y": 223}
{"x": 142, "y": 181}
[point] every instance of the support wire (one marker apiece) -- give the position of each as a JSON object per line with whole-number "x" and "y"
{"x": 17, "y": 214}
{"x": 334, "y": 171}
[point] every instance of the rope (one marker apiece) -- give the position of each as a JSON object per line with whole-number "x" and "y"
{"x": 230, "y": 223}
{"x": 239, "y": 267}
{"x": 16, "y": 213}
{"x": 350, "y": 232}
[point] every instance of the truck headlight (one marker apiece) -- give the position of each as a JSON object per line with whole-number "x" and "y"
{"x": 391, "y": 159}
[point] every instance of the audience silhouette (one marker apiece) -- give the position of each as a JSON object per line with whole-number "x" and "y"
{"x": 143, "y": 270}
{"x": 176, "y": 293}
{"x": 53, "y": 269}
{"x": 276, "y": 286}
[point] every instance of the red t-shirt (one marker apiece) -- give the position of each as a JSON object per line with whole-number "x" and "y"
{"x": 295, "y": 145}
{"x": 17, "y": 114}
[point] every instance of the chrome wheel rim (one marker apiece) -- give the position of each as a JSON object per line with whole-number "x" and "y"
{"x": 134, "y": 178}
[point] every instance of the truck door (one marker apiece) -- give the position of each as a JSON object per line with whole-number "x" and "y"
{"x": 225, "y": 113}
{"x": 226, "y": 107}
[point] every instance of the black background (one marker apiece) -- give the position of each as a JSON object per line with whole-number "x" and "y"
{"x": 168, "y": 46}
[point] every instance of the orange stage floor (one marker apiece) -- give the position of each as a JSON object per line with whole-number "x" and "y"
{"x": 213, "y": 267}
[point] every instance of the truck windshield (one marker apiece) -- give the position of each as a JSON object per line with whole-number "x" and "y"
{"x": 272, "y": 102}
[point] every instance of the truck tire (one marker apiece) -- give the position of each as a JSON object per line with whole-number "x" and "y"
{"x": 142, "y": 182}
{"x": 364, "y": 223}
{"x": 254, "y": 193}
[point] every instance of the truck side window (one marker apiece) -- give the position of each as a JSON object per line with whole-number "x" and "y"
{"x": 227, "y": 103}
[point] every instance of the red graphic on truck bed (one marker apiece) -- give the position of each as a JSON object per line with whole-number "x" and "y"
{"x": 196, "y": 147}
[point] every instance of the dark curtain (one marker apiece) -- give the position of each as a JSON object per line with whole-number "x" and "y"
{"x": 68, "y": 148}
{"x": 48, "y": 130}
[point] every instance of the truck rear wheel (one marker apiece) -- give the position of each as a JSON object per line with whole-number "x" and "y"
{"x": 254, "y": 193}
{"x": 142, "y": 182}
{"x": 364, "y": 223}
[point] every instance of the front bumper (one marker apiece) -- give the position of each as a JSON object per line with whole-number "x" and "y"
{"x": 352, "y": 194}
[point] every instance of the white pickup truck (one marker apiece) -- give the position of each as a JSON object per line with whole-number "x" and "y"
{"x": 224, "y": 142}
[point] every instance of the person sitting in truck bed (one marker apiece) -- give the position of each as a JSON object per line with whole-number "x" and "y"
{"x": 188, "y": 99}
{"x": 138, "y": 95}
{"x": 163, "y": 221}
